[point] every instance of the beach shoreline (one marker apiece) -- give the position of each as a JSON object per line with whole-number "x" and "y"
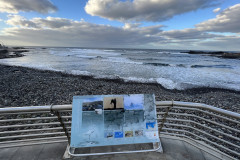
{"x": 20, "y": 86}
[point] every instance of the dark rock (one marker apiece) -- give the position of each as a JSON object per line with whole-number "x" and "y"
{"x": 231, "y": 55}
{"x": 12, "y": 52}
{"x": 220, "y": 54}
{"x": 204, "y": 52}
{"x": 4, "y": 53}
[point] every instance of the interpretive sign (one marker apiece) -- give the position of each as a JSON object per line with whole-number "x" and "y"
{"x": 113, "y": 120}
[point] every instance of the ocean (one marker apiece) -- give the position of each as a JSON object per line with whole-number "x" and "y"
{"x": 170, "y": 68}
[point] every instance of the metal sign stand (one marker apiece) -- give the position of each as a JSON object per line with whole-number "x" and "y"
{"x": 110, "y": 120}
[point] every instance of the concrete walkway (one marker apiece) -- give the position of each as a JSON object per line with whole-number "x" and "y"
{"x": 173, "y": 149}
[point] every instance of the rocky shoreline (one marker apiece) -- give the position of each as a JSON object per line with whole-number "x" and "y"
{"x": 21, "y": 86}
{"x": 14, "y": 52}
{"x": 219, "y": 54}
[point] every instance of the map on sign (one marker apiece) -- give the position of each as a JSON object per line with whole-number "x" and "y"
{"x": 113, "y": 120}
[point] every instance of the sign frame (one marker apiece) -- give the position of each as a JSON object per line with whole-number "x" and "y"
{"x": 121, "y": 137}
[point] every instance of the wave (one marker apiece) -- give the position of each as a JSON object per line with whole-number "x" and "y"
{"x": 211, "y": 66}
{"x": 121, "y": 60}
{"x": 157, "y": 64}
{"x": 171, "y": 72}
{"x": 165, "y": 65}
{"x": 83, "y": 53}
{"x": 163, "y": 81}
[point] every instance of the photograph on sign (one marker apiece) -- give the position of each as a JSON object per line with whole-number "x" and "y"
{"x": 118, "y": 134}
{"x": 111, "y": 103}
{"x": 133, "y": 102}
{"x": 150, "y": 125}
{"x": 108, "y": 134}
{"x": 138, "y": 133}
{"x": 128, "y": 133}
{"x": 92, "y": 103}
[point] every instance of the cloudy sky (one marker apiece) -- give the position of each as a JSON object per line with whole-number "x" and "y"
{"x": 163, "y": 24}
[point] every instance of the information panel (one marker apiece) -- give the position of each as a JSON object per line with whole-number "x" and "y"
{"x": 113, "y": 120}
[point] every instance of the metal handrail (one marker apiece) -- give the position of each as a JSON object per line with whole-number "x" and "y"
{"x": 190, "y": 115}
{"x": 183, "y": 119}
{"x": 201, "y": 122}
{"x": 35, "y": 108}
{"x": 199, "y": 105}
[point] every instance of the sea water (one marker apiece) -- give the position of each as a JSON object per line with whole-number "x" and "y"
{"x": 170, "y": 68}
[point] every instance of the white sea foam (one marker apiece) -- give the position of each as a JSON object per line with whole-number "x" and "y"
{"x": 137, "y": 79}
{"x": 63, "y": 53}
{"x": 85, "y": 56}
{"x": 78, "y": 72}
{"x": 121, "y": 60}
{"x": 84, "y": 53}
{"x": 168, "y": 83}
{"x": 132, "y": 66}
{"x": 108, "y": 50}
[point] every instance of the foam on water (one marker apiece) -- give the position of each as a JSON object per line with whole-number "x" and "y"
{"x": 168, "y": 83}
{"x": 77, "y": 72}
{"x": 171, "y": 69}
{"x": 120, "y": 60}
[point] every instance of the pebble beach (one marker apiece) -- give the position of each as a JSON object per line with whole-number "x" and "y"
{"x": 20, "y": 86}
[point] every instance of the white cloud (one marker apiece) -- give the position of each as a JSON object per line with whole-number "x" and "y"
{"x": 15, "y": 6}
{"x": 143, "y": 10}
{"x": 49, "y": 22}
{"x": 16, "y": 20}
{"x": 228, "y": 43}
{"x": 227, "y": 21}
{"x": 188, "y": 34}
{"x": 65, "y": 32}
{"x": 216, "y": 10}
{"x": 54, "y": 31}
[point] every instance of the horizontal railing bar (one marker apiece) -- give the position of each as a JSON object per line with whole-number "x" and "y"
{"x": 190, "y": 121}
{"x": 204, "y": 144}
{"x": 30, "y": 125}
{"x": 31, "y": 135}
{"x": 161, "y": 107}
{"x": 158, "y": 103}
{"x": 190, "y": 115}
{"x": 185, "y": 126}
{"x": 198, "y": 105}
{"x": 34, "y": 119}
{"x": 30, "y": 130}
{"x": 159, "y": 113}
{"x": 199, "y": 110}
{"x": 34, "y": 139}
{"x": 18, "y": 113}
{"x": 63, "y": 111}
{"x": 27, "y": 119}
{"x": 33, "y": 130}
{"x": 30, "y": 144}
{"x": 35, "y": 108}
{"x": 179, "y": 130}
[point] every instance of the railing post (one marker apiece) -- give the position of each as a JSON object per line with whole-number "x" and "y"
{"x": 164, "y": 118}
{"x": 61, "y": 123}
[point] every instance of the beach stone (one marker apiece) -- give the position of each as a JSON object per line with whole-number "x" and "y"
{"x": 21, "y": 86}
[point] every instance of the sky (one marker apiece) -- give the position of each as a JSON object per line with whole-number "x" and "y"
{"x": 154, "y": 24}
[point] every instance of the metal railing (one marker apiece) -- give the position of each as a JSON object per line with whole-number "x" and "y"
{"x": 200, "y": 123}
{"x": 21, "y": 126}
